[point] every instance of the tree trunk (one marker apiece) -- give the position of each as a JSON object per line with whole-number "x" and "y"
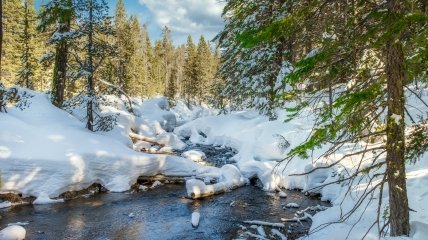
{"x": 1, "y": 34}
{"x": 90, "y": 87}
{"x": 60, "y": 68}
{"x": 395, "y": 145}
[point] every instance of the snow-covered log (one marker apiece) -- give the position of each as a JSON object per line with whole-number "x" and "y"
{"x": 230, "y": 179}
{"x": 262, "y": 223}
{"x": 144, "y": 139}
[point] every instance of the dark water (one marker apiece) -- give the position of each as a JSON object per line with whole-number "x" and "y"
{"x": 161, "y": 213}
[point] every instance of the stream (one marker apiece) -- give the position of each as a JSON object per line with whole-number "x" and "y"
{"x": 162, "y": 212}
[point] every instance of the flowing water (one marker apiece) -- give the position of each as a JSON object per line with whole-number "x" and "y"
{"x": 159, "y": 213}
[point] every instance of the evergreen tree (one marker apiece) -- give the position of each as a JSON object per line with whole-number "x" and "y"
{"x": 56, "y": 17}
{"x": 1, "y": 35}
{"x": 374, "y": 52}
{"x": 92, "y": 22}
{"x": 12, "y": 26}
{"x": 26, "y": 38}
{"x": 202, "y": 70}
{"x": 252, "y": 74}
{"x": 166, "y": 54}
{"x": 189, "y": 80}
{"x": 124, "y": 47}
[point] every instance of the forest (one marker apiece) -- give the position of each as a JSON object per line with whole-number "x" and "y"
{"x": 322, "y": 101}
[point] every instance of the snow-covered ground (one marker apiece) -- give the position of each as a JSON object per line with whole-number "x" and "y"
{"x": 262, "y": 145}
{"x": 45, "y": 151}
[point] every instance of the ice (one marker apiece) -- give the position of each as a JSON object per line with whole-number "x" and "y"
{"x": 195, "y": 219}
{"x": 13, "y": 232}
{"x": 43, "y": 198}
{"x": 5, "y": 204}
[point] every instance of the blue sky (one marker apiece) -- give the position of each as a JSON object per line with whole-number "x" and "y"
{"x": 183, "y": 17}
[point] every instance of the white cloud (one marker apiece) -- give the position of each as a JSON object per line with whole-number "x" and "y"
{"x": 184, "y": 17}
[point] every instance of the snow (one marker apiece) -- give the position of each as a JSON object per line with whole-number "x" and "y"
{"x": 194, "y": 155}
{"x": 156, "y": 184}
{"x": 282, "y": 194}
{"x": 230, "y": 178}
{"x": 5, "y": 204}
{"x": 277, "y": 233}
{"x": 195, "y": 219}
{"x": 292, "y": 205}
{"x": 13, "y": 232}
{"x": 258, "y": 142}
{"x": 43, "y": 198}
{"x": 46, "y": 151}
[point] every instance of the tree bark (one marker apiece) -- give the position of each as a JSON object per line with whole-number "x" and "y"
{"x": 395, "y": 145}
{"x": 90, "y": 87}
{"x": 60, "y": 68}
{"x": 1, "y": 34}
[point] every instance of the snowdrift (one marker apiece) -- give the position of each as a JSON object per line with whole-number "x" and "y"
{"x": 45, "y": 151}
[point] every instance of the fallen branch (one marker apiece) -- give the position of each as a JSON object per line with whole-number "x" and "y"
{"x": 262, "y": 223}
{"x": 197, "y": 189}
{"x": 305, "y": 217}
{"x": 144, "y": 139}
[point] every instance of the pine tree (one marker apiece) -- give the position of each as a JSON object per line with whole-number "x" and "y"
{"x": 374, "y": 52}
{"x": 252, "y": 74}
{"x": 166, "y": 53}
{"x": 56, "y": 17}
{"x": 28, "y": 59}
{"x": 12, "y": 19}
{"x": 123, "y": 47}
{"x": 137, "y": 65}
{"x": 1, "y": 36}
{"x": 93, "y": 22}
{"x": 189, "y": 80}
{"x": 202, "y": 70}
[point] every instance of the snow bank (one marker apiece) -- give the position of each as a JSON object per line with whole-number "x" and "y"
{"x": 45, "y": 151}
{"x": 262, "y": 144}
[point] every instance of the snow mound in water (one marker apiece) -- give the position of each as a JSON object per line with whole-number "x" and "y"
{"x": 13, "y": 232}
{"x": 194, "y": 155}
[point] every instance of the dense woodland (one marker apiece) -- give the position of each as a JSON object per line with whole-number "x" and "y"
{"x": 49, "y": 50}
{"x": 350, "y": 60}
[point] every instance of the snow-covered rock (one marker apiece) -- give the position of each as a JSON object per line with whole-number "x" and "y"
{"x": 196, "y": 216}
{"x": 194, "y": 155}
{"x": 13, "y": 232}
{"x": 292, "y": 205}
